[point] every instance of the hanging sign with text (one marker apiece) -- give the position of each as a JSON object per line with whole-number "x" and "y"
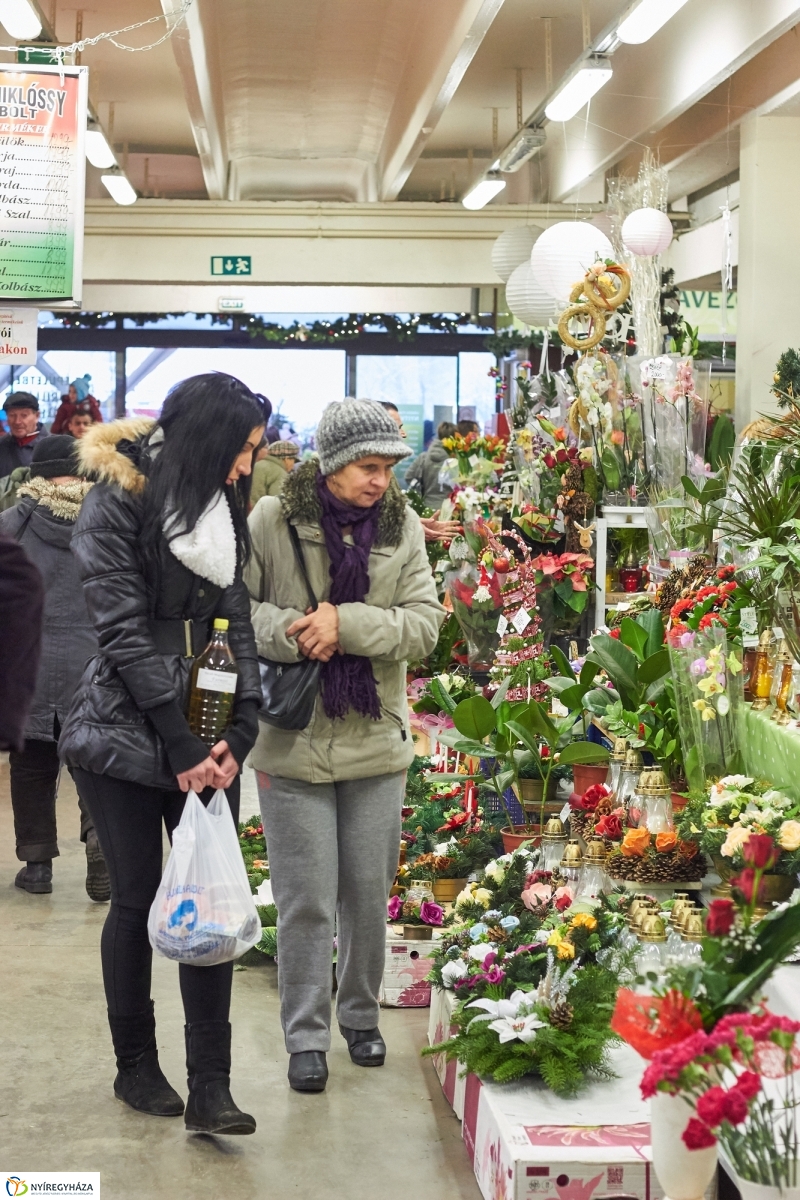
{"x": 42, "y": 174}
{"x": 19, "y": 330}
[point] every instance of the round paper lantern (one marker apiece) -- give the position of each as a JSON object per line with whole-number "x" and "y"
{"x": 563, "y": 255}
{"x": 514, "y": 247}
{"x": 526, "y": 299}
{"x": 647, "y": 231}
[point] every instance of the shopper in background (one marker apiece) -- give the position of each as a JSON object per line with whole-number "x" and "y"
{"x": 269, "y": 473}
{"x": 21, "y": 606}
{"x": 42, "y": 522}
{"x": 79, "y": 423}
{"x": 16, "y": 448}
{"x": 426, "y": 468}
{"x": 78, "y": 399}
{"x": 394, "y": 413}
{"x": 465, "y": 428}
{"x": 331, "y": 794}
{"x": 160, "y": 544}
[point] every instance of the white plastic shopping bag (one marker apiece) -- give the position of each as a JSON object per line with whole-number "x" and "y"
{"x": 203, "y": 912}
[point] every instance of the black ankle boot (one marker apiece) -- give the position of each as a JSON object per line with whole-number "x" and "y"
{"x": 140, "y": 1082}
{"x": 210, "y": 1107}
{"x": 367, "y": 1047}
{"x": 36, "y": 877}
{"x": 308, "y": 1071}
{"x": 98, "y": 885}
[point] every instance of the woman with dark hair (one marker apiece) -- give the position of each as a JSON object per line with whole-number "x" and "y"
{"x": 161, "y": 542}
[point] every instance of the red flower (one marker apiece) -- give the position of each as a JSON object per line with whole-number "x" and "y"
{"x": 609, "y": 826}
{"x": 614, "y": 633}
{"x": 657, "y": 1025}
{"x": 726, "y": 572}
{"x": 406, "y": 811}
{"x": 455, "y": 822}
{"x": 760, "y": 851}
{"x": 710, "y": 619}
{"x": 680, "y": 607}
{"x": 563, "y": 902}
{"x": 744, "y": 883}
{"x": 544, "y": 752}
{"x": 641, "y": 730}
{"x": 712, "y": 1106}
{"x": 561, "y": 455}
{"x": 549, "y": 461}
{"x": 697, "y": 1136}
{"x": 704, "y": 593}
{"x": 748, "y": 1085}
{"x": 719, "y": 920}
{"x": 736, "y": 1107}
{"x": 593, "y": 795}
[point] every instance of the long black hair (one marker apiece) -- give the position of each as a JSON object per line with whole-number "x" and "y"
{"x": 205, "y": 422}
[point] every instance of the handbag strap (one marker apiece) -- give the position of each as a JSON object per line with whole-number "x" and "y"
{"x": 301, "y": 562}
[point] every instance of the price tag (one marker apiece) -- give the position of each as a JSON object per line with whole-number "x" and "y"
{"x": 216, "y": 681}
{"x": 777, "y": 633}
{"x": 474, "y": 459}
{"x": 521, "y": 620}
{"x": 562, "y": 816}
{"x": 748, "y": 621}
{"x": 749, "y": 641}
{"x": 658, "y": 368}
{"x": 502, "y": 624}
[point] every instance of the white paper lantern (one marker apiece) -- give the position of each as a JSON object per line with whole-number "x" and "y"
{"x": 647, "y": 231}
{"x": 526, "y": 298}
{"x": 514, "y": 247}
{"x": 563, "y": 255}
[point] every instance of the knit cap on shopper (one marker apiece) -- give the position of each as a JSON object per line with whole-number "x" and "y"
{"x": 54, "y": 455}
{"x": 283, "y": 450}
{"x": 353, "y": 429}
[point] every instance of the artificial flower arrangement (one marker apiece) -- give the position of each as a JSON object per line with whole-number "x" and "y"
{"x": 714, "y": 602}
{"x": 253, "y": 846}
{"x": 661, "y": 858}
{"x": 533, "y": 997}
{"x": 723, "y": 818}
{"x": 563, "y": 582}
{"x": 456, "y": 857}
{"x": 440, "y": 694}
{"x": 416, "y": 911}
{"x": 709, "y": 1040}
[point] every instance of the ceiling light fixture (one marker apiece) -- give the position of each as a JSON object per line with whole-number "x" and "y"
{"x": 20, "y": 19}
{"x": 118, "y": 187}
{"x": 645, "y": 19}
{"x": 522, "y": 148}
{"x": 483, "y": 191}
{"x": 592, "y": 74}
{"x": 98, "y": 151}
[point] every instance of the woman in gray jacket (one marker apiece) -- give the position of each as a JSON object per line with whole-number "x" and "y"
{"x": 43, "y": 521}
{"x": 331, "y": 794}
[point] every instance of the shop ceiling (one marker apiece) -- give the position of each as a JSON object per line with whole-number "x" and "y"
{"x": 364, "y": 106}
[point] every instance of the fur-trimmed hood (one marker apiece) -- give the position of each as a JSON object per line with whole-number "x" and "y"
{"x": 106, "y": 453}
{"x": 301, "y": 505}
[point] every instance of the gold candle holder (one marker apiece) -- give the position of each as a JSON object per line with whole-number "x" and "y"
{"x": 761, "y": 678}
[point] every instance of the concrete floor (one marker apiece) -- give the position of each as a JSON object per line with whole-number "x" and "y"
{"x": 383, "y": 1134}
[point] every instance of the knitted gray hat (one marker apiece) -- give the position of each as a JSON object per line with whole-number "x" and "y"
{"x": 352, "y": 429}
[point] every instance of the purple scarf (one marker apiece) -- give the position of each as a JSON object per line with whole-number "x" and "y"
{"x": 346, "y": 680}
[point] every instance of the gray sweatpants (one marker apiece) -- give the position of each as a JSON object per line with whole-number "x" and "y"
{"x": 333, "y": 851}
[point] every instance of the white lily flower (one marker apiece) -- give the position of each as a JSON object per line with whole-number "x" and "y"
{"x": 521, "y": 1029}
{"x": 501, "y": 1008}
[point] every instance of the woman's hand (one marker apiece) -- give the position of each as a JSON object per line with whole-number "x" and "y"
{"x": 227, "y": 766}
{"x": 436, "y": 530}
{"x": 206, "y": 774}
{"x": 317, "y": 632}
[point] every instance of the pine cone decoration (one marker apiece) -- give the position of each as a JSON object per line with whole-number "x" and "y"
{"x": 409, "y": 908}
{"x": 497, "y": 934}
{"x": 670, "y": 591}
{"x": 620, "y": 867}
{"x": 561, "y": 1015}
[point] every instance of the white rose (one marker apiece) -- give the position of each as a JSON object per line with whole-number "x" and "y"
{"x": 453, "y": 971}
{"x": 737, "y": 836}
{"x": 776, "y": 799}
{"x": 464, "y": 897}
{"x": 494, "y": 871}
{"x": 481, "y": 951}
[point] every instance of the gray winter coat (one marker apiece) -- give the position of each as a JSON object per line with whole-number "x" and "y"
{"x": 425, "y": 469}
{"x": 68, "y": 636}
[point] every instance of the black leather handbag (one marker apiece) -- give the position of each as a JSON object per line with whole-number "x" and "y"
{"x": 289, "y": 690}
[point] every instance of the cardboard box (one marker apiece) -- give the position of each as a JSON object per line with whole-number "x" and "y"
{"x": 450, "y": 1073}
{"x": 404, "y": 978}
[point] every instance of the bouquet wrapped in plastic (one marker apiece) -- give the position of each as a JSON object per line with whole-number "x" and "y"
{"x": 477, "y": 605}
{"x": 707, "y": 677}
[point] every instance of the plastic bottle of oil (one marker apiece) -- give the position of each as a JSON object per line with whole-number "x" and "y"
{"x": 213, "y": 686}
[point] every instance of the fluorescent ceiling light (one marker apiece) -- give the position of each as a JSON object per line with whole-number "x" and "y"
{"x": 523, "y": 147}
{"x": 482, "y": 192}
{"x": 98, "y": 151}
{"x": 118, "y": 187}
{"x": 645, "y": 19}
{"x": 20, "y": 19}
{"x": 579, "y": 89}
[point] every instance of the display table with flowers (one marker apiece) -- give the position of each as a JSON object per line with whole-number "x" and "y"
{"x": 770, "y": 751}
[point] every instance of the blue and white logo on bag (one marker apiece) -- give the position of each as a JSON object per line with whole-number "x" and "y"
{"x": 184, "y": 916}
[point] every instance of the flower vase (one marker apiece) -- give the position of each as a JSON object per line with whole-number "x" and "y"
{"x": 683, "y": 1174}
{"x": 757, "y": 1191}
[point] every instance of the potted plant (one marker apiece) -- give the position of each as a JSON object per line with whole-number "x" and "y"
{"x": 509, "y": 737}
{"x": 562, "y": 585}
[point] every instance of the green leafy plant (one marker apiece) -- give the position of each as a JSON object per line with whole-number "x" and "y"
{"x": 708, "y": 498}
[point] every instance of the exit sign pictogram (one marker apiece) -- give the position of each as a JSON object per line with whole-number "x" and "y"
{"x": 231, "y": 264}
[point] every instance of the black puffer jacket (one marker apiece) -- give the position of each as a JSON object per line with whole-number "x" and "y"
{"x": 127, "y": 719}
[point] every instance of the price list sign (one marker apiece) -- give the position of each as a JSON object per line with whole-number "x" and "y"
{"x": 42, "y": 177}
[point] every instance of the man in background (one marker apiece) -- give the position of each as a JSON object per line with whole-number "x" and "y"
{"x": 426, "y": 467}
{"x": 16, "y": 448}
{"x": 270, "y": 472}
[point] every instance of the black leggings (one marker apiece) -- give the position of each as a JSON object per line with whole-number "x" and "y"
{"x": 127, "y": 817}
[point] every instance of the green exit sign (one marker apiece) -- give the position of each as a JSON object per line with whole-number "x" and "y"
{"x": 231, "y": 264}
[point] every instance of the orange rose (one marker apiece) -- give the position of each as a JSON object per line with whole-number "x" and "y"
{"x": 666, "y": 841}
{"x": 689, "y": 849}
{"x": 635, "y": 843}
